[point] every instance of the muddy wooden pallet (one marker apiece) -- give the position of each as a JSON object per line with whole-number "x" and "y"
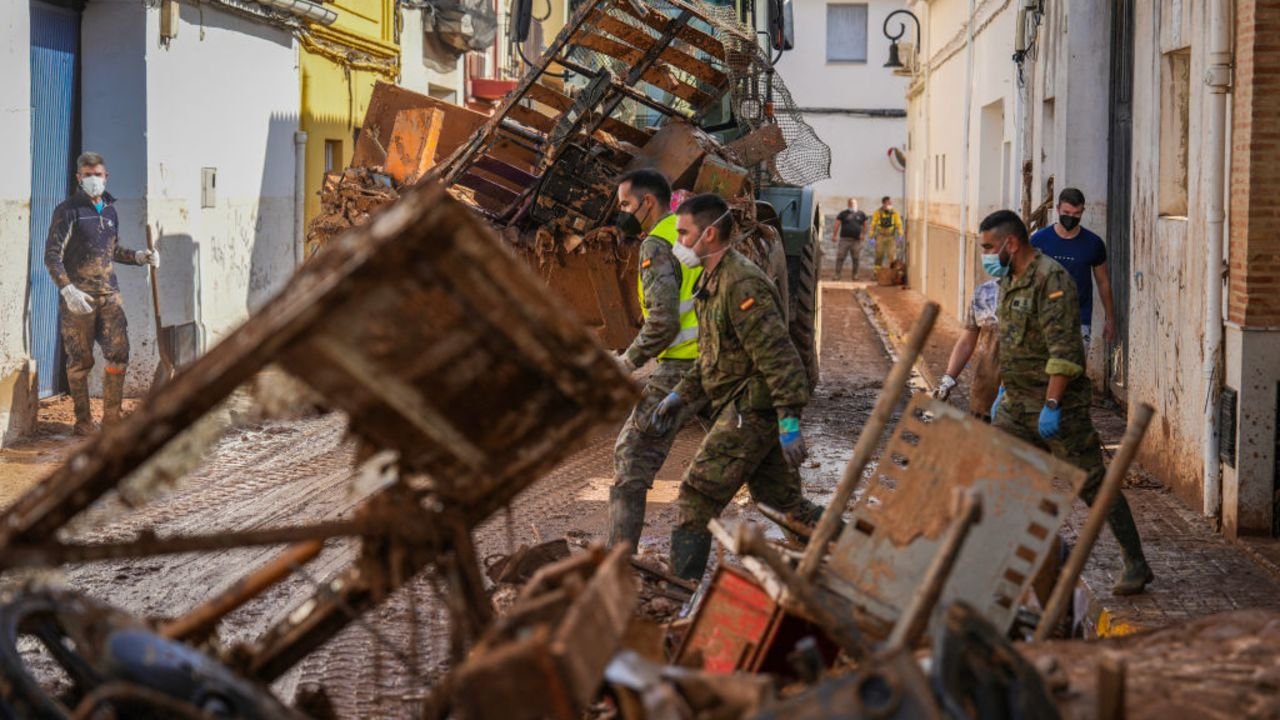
{"x": 566, "y": 142}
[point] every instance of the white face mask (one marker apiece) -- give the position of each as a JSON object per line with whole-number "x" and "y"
{"x": 686, "y": 256}
{"x": 93, "y": 185}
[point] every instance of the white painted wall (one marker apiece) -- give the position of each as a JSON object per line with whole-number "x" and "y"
{"x": 414, "y": 74}
{"x": 15, "y": 216}
{"x": 223, "y": 94}
{"x": 859, "y": 165}
{"x": 1167, "y": 289}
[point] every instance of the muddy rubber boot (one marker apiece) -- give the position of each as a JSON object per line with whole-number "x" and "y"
{"x": 690, "y": 549}
{"x": 112, "y": 395}
{"x": 1137, "y": 573}
{"x": 79, "y": 391}
{"x": 626, "y": 516}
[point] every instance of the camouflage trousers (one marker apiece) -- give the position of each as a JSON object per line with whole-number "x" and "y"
{"x": 106, "y": 325}
{"x": 741, "y": 448}
{"x": 1078, "y": 444}
{"x": 853, "y": 248}
{"x": 640, "y": 451}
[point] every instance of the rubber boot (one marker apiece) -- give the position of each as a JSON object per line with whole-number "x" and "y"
{"x": 112, "y": 394}
{"x": 1137, "y": 573}
{"x": 690, "y": 549}
{"x": 626, "y": 516}
{"x": 79, "y": 391}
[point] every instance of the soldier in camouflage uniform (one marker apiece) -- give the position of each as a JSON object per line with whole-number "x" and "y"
{"x": 753, "y": 378}
{"x": 1046, "y": 395}
{"x": 669, "y": 335}
{"x": 83, "y": 242}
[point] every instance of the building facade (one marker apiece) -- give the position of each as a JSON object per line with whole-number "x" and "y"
{"x": 198, "y": 158}
{"x": 836, "y": 77}
{"x": 340, "y": 64}
{"x": 1162, "y": 114}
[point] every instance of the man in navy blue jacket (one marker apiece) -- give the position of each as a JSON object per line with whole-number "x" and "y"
{"x": 84, "y": 241}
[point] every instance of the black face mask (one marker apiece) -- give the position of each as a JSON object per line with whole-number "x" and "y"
{"x": 628, "y": 223}
{"x": 1068, "y": 222}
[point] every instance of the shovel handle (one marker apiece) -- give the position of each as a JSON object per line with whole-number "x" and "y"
{"x": 155, "y": 302}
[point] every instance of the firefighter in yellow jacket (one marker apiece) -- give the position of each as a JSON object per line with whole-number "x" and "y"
{"x": 886, "y": 228}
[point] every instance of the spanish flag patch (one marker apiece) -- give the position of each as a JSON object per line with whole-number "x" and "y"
{"x": 747, "y": 304}
{"x": 1057, "y": 294}
{"x": 646, "y": 263}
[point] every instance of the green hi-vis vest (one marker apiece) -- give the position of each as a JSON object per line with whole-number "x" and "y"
{"x": 685, "y": 346}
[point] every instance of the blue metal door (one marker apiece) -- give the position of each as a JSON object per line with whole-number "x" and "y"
{"x": 55, "y": 50}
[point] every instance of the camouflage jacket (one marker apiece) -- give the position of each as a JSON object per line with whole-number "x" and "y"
{"x": 1040, "y": 335}
{"x": 744, "y": 352}
{"x": 660, "y": 276}
{"x": 83, "y": 243}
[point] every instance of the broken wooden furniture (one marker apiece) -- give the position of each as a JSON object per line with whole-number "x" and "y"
{"x": 899, "y": 523}
{"x": 444, "y": 351}
{"x": 546, "y": 657}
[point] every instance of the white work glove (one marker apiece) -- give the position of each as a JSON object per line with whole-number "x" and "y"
{"x": 148, "y": 257}
{"x": 78, "y": 301}
{"x": 945, "y": 386}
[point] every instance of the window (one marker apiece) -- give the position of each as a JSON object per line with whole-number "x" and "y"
{"x": 1175, "y": 116}
{"x": 332, "y": 155}
{"x": 846, "y": 33}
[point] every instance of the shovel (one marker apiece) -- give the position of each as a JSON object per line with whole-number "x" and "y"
{"x": 164, "y": 369}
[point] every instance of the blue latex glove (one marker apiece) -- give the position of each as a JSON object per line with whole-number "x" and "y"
{"x": 664, "y": 415}
{"x": 996, "y": 404}
{"x": 1050, "y": 422}
{"x": 793, "y": 448}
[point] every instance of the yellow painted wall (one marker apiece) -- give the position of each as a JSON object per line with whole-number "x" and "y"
{"x": 336, "y": 88}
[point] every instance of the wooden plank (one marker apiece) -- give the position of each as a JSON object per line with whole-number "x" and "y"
{"x": 486, "y": 187}
{"x": 549, "y": 96}
{"x": 625, "y": 132}
{"x": 412, "y": 149}
{"x": 658, "y": 21}
{"x": 507, "y": 172}
{"x": 387, "y": 100}
{"x": 652, "y": 75}
{"x": 532, "y": 118}
{"x": 675, "y": 57}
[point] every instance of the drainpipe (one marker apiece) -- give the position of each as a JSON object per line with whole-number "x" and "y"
{"x": 963, "y": 264}
{"x": 299, "y": 195}
{"x": 1218, "y": 80}
{"x": 925, "y": 56}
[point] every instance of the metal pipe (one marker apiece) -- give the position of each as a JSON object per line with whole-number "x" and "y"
{"x": 911, "y": 625}
{"x": 299, "y": 196}
{"x": 1107, "y": 495}
{"x": 868, "y": 441}
{"x": 304, "y": 9}
{"x": 963, "y": 262}
{"x": 198, "y": 623}
{"x": 1218, "y": 79}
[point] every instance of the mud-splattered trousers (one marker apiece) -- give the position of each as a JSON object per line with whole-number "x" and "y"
{"x": 640, "y": 452}
{"x": 750, "y": 373}
{"x": 1039, "y": 321}
{"x": 82, "y": 246}
{"x": 853, "y": 248}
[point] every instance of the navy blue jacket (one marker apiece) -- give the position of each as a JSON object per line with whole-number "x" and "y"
{"x": 83, "y": 243}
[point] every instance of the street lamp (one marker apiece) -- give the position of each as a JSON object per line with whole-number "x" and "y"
{"x": 894, "y": 60}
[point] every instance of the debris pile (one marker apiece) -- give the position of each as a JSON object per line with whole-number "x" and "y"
{"x": 347, "y": 200}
